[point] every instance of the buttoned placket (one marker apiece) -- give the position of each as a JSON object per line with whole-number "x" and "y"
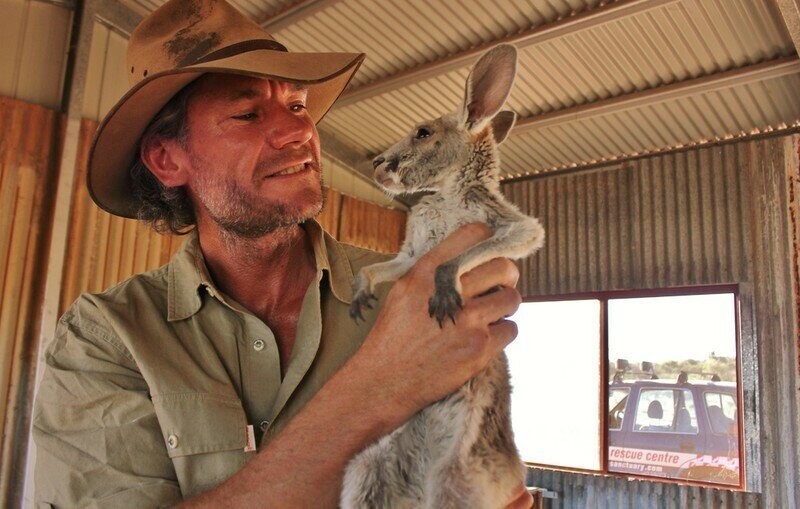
{"x": 260, "y": 371}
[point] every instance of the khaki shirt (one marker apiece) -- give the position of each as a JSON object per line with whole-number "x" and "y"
{"x": 149, "y": 387}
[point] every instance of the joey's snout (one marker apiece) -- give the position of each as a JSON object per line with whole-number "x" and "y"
{"x": 386, "y": 172}
{"x": 391, "y": 164}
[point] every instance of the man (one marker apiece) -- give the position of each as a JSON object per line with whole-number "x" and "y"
{"x": 233, "y": 375}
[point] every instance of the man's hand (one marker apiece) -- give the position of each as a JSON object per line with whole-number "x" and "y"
{"x": 522, "y": 499}
{"x": 413, "y": 362}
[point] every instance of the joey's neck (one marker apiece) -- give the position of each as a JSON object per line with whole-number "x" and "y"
{"x": 480, "y": 171}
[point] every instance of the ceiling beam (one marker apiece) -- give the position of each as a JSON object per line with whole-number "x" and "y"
{"x": 538, "y": 35}
{"x": 294, "y": 14}
{"x": 736, "y": 77}
{"x": 790, "y": 10}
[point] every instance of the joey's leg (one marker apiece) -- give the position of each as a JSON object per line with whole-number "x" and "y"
{"x": 387, "y": 474}
{"x": 514, "y": 241}
{"x": 450, "y": 433}
{"x": 370, "y": 276}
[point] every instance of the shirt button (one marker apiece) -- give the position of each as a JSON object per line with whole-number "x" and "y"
{"x": 172, "y": 441}
{"x": 258, "y": 345}
{"x": 263, "y": 425}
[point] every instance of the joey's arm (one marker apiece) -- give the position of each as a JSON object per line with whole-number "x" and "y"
{"x": 514, "y": 240}
{"x": 372, "y": 275}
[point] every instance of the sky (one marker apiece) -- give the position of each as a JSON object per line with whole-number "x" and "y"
{"x": 660, "y": 329}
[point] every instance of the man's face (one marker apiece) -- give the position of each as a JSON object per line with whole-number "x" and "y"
{"x": 254, "y": 154}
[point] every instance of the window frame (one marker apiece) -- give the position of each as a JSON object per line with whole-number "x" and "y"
{"x": 744, "y": 409}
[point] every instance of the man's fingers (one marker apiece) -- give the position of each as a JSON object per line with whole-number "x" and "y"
{"x": 496, "y": 272}
{"x": 521, "y": 499}
{"x": 455, "y": 244}
{"x": 504, "y": 332}
{"x": 495, "y": 306}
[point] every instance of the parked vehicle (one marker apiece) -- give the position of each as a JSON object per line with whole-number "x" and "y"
{"x": 686, "y": 429}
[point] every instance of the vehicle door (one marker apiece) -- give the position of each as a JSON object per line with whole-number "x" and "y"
{"x": 660, "y": 432}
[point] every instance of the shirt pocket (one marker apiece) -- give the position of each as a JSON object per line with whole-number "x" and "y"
{"x": 205, "y": 436}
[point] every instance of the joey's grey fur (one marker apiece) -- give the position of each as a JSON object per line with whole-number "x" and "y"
{"x": 459, "y": 452}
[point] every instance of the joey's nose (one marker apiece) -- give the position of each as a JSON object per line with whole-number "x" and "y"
{"x": 391, "y": 164}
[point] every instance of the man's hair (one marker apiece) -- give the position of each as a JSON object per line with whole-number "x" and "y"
{"x": 166, "y": 209}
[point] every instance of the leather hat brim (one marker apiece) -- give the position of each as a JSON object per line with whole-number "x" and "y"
{"x": 117, "y": 138}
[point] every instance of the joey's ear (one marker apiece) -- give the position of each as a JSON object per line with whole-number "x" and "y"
{"x": 164, "y": 159}
{"x": 489, "y": 84}
{"x": 502, "y": 124}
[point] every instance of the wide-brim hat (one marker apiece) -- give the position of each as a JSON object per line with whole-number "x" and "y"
{"x": 176, "y": 44}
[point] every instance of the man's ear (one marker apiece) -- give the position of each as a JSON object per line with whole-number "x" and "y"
{"x": 165, "y": 159}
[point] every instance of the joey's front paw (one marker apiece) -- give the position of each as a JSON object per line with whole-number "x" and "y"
{"x": 446, "y": 300}
{"x": 361, "y": 300}
{"x": 362, "y": 296}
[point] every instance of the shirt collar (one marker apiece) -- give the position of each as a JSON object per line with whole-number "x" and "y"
{"x": 188, "y": 276}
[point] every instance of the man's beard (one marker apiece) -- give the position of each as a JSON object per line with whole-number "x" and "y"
{"x": 241, "y": 213}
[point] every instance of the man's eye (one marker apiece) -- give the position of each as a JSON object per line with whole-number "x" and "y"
{"x": 245, "y": 116}
{"x": 297, "y": 107}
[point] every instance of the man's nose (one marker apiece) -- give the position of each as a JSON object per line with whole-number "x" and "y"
{"x": 290, "y": 128}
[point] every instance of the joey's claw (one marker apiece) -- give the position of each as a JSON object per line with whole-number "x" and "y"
{"x": 361, "y": 299}
{"x": 444, "y": 303}
{"x": 446, "y": 300}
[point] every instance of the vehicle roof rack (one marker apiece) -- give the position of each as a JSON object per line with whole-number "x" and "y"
{"x": 624, "y": 368}
{"x": 683, "y": 376}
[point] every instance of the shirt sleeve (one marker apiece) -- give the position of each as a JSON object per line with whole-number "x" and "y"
{"x": 98, "y": 442}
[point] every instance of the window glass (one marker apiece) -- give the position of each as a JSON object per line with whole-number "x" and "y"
{"x": 555, "y": 375}
{"x": 677, "y": 356}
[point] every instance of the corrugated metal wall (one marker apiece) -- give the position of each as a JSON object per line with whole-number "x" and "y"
{"x": 371, "y": 226}
{"x": 27, "y": 172}
{"x": 701, "y": 217}
{"x": 679, "y": 219}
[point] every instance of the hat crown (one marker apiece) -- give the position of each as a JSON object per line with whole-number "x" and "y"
{"x": 185, "y": 32}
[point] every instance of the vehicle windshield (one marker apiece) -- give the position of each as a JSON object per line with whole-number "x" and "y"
{"x": 666, "y": 410}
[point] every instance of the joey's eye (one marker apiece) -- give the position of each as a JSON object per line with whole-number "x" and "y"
{"x": 245, "y": 116}
{"x": 422, "y": 132}
{"x": 297, "y": 107}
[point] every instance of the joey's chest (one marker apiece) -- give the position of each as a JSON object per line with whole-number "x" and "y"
{"x": 433, "y": 219}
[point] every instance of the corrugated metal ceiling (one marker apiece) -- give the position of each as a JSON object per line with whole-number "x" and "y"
{"x": 597, "y": 80}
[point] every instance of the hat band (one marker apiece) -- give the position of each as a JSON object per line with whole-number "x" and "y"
{"x": 241, "y": 47}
